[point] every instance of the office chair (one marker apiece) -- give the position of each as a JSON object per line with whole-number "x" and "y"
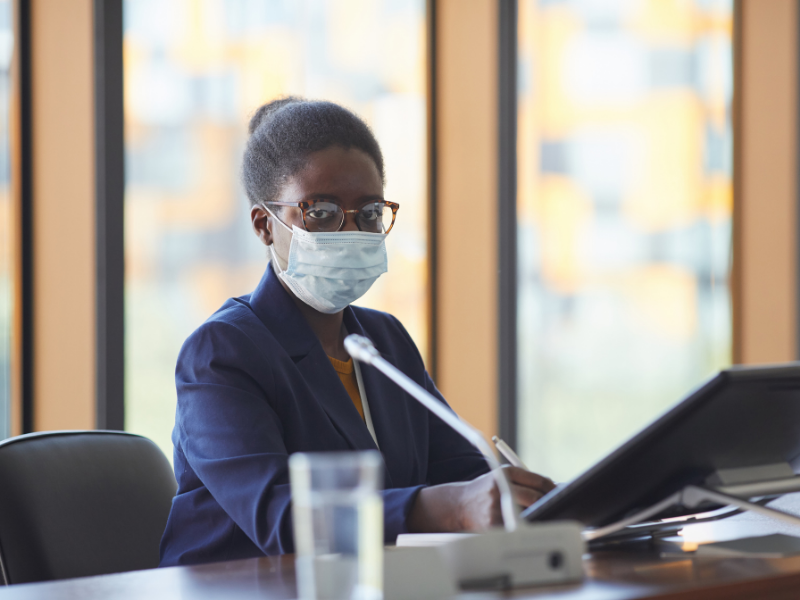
{"x": 80, "y": 503}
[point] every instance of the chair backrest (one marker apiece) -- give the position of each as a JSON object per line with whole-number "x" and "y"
{"x": 80, "y": 503}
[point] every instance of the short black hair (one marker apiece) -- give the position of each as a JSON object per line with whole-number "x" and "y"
{"x": 284, "y": 132}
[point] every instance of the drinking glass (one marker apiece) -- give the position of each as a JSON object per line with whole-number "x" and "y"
{"x": 337, "y": 511}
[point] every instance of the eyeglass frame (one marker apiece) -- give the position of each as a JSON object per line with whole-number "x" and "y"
{"x": 304, "y": 205}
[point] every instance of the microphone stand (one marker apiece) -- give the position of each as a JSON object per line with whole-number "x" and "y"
{"x": 520, "y": 555}
{"x": 361, "y": 349}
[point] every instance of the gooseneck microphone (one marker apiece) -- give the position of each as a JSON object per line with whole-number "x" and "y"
{"x": 363, "y": 350}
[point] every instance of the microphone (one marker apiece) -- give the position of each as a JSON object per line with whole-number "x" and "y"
{"x": 362, "y": 350}
{"x": 520, "y": 555}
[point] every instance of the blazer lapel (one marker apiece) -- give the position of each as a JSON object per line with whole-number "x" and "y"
{"x": 389, "y": 407}
{"x": 326, "y": 386}
{"x": 276, "y": 309}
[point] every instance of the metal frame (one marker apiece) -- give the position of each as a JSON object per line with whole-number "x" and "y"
{"x": 23, "y": 170}
{"x": 110, "y": 200}
{"x": 693, "y": 496}
{"x": 433, "y": 182}
{"x": 736, "y": 229}
{"x": 507, "y": 222}
{"x": 661, "y": 529}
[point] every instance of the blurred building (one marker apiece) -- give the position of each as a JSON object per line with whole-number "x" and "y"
{"x": 625, "y": 199}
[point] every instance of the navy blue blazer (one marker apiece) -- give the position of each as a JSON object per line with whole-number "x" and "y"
{"x": 254, "y": 386}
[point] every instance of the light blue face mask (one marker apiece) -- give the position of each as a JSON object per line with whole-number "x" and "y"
{"x": 328, "y": 271}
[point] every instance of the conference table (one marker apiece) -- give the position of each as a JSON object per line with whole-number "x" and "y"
{"x": 645, "y": 571}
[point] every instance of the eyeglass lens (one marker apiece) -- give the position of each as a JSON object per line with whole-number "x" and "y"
{"x": 375, "y": 217}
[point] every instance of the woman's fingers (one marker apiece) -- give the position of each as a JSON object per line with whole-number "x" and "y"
{"x": 474, "y": 505}
{"x": 524, "y": 478}
{"x": 525, "y": 496}
{"x": 527, "y": 487}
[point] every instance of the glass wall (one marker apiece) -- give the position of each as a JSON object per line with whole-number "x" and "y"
{"x": 6, "y": 218}
{"x": 193, "y": 77}
{"x": 625, "y": 200}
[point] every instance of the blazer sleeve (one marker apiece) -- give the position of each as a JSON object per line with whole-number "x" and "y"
{"x": 230, "y": 434}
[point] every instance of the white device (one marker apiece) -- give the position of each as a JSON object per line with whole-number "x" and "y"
{"x": 415, "y": 573}
{"x": 520, "y": 555}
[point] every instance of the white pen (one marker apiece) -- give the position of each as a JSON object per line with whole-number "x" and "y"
{"x": 508, "y": 453}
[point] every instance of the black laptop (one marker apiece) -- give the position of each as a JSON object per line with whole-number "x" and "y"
{"x": 741, "y": 417}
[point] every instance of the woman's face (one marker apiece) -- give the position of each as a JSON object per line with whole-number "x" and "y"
{"x": 346, "y": 177}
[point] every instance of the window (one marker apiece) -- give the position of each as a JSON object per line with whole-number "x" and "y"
{"x": 193, "y": 77}
{"x": 6, "y": 219}
{"x": 624, "y": 216}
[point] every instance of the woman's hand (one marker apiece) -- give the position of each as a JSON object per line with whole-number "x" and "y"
{"x": 473, "y": 505}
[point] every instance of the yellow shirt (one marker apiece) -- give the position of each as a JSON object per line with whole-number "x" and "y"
{"x": 348, "y": 377}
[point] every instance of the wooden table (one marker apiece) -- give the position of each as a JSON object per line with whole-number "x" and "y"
{"x": 618, "y": 575}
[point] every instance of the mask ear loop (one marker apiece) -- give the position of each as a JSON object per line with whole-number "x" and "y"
{"x": 271, "y": 247}
{"x": 274, "y": 216}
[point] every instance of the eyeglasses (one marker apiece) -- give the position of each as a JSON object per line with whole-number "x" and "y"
{"x": 327, "y": 216}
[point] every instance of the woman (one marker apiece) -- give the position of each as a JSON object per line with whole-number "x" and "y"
{"x": 267, "y": 375}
